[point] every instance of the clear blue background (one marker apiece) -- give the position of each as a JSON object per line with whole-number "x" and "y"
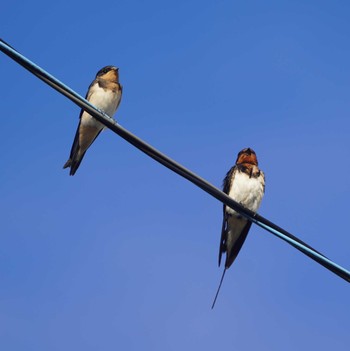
{"x": 123, "y": 256}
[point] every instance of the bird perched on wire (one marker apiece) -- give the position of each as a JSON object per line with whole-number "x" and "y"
{"x": 245, "y": 183}
{"x": 105, "y": 93}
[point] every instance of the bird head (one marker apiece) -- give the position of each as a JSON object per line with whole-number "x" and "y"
{"x": 108, "y": 73}
{"x": 247, "y": 156}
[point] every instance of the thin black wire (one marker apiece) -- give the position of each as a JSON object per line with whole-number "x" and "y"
{"x": 173, "y": 165}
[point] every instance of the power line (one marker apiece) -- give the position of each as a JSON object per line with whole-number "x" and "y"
{"x": 171, "y": 164}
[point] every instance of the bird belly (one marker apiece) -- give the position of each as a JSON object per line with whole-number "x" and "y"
{"x": 107, "y": 101}
{"x": 248, "y": 191}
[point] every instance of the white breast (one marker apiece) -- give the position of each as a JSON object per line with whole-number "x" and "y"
{"x": 247, "y": 191}
{"x": 106, "y": 101}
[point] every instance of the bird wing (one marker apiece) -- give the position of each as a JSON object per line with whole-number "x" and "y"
{"x": 226, "y": 189}
{"x": 75, "y": 145}
{"x": 236, "y": 248}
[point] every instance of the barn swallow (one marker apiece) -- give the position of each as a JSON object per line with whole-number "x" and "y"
{"x": 105, "y": 93}
{"x": 245, "y": 183}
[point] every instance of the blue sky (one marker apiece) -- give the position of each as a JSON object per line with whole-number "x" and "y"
{"x": 124, "y": 254}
